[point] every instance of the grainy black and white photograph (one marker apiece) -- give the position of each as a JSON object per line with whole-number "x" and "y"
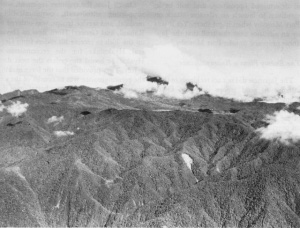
{"x": 161, "y": 113}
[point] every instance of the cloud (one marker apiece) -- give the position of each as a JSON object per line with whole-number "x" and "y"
{"x": 188, "y": 160}
{"x": 17, "y": 108}
{"x": 283, "y": 126}
{"x": 172, "y": 65}
{"x": 63, "y": 133}
{"x": 178, "y": 68}
{"x": 55, "y": 119}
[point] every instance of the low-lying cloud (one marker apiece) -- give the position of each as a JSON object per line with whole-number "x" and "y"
{"x": 54, "y": 119}
{"x": 63, "y": 133}
{"x": 128, "y": 93}
{"x": 16, "y": 108}
{"x": 283, "y": 126}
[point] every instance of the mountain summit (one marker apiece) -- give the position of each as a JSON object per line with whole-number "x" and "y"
{"x": 79, "y": 156}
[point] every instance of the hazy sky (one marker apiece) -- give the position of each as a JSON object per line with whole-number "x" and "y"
{"x": 46, "y": 44}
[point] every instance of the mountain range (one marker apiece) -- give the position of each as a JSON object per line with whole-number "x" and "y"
{"x": 80, "y": 156}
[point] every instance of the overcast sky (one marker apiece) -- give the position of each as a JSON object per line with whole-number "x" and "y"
{"x": 47, "y": 44}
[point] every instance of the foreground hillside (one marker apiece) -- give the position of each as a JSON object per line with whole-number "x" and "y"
{"x": 85, "y": 157}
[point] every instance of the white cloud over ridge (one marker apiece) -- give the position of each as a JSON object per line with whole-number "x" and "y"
{"x": 63, "y": 133}
{"x": 283, "y": 126}
{"x": 17, "y": 108}
{"x": 55, "y": 119}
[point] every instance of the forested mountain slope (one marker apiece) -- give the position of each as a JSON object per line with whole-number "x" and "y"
{"x": 84, "y": 157}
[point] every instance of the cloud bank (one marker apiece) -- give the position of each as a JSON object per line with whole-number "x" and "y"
{"x": 283, "y": 126}
{"x": 131, "y": 68}
{"x": 273, "y": 83}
